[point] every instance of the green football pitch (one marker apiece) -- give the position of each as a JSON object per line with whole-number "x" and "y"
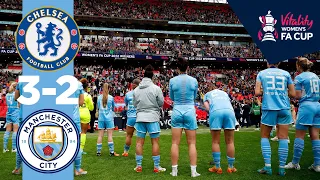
{"x": 248, "y": 159}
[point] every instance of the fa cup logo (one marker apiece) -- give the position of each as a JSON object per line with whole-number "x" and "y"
{"x": 268, "y": 23}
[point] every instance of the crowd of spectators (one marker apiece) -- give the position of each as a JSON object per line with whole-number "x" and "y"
{"x": 184, "y": 48}
{"x": 158, "y": 10}
{"x": 169, "y": 48}
{"x": 7, "y": 41}
{"x": 156, "y": 47}
{"x": 161, "y": 47}
{"x": 11, "y": 4}
{"x": 148, "y": 9}
{"x": 5, "y": 79}
{"x": 238, "y": 83}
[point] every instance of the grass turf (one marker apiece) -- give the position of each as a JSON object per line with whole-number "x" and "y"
{"x": 248, "y": 159}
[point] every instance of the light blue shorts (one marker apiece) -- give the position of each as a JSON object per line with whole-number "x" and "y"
{"x": 105, "y": 124}
{"x": 12, "y": 119}
{"x": 131, "y": 121}
{"x": 184, "y": 117}
{"x": 308, "y": 115}
{"x": 276, "y": 117}
{"x": 142, "y": 128}
{"x": 222, "y": 119}
{"x": 13, "y": 116}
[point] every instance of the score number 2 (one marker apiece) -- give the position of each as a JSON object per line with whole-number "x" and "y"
{"x": 63, "y": 98}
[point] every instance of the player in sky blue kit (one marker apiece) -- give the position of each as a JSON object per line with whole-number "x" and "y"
{"x": 12, "y": 119}
{"x": 183, "y": 92}
{"x": 76, "y": 118}
{"x": 131, "y": 117}
{"x": 105, "y": 115}
{"x": 273, "y": 84}
{"x": 221, "y": 116}
{"x": 18, "y": 92}
{"x": 307, "y": 90}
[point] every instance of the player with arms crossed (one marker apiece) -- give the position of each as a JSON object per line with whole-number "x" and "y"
{"x": 221, "y": 116}
{"x": 273, "y": 84}
{"x": 307, "y": 91}
{"x": 12, "y": 119}
{"x": 131, "y": 115}
{"x": 183, "y": 91}
{"x": 105, "y": 106}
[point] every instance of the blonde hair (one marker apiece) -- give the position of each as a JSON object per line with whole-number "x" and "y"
{"x": 105, "y": 94}
{"x": 12, "y": 87}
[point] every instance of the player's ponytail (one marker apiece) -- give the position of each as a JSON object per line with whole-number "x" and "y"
{"x": 309, "y": 65}
{"x": 12, "y": 87}
{"x": 105, "y": 94}
{"x": 304, "y": 64}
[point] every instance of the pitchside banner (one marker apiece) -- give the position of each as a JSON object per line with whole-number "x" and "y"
{"x": 47, "y": 40}
{"x": 281, "y": 29}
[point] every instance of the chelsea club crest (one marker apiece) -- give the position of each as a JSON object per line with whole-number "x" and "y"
{"x": 48, "y": 141}
{"x": 47, "y": 39}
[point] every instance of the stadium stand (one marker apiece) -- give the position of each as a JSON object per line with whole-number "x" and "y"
{"x": 148, "y": 9}
{"x": 160, "y": 47}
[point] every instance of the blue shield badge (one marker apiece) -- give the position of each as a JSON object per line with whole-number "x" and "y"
{"x": 48, "y": 141}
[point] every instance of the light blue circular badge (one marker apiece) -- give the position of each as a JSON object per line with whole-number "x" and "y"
{"x": 47, "y": 39}
{"x": 48, "y": 141}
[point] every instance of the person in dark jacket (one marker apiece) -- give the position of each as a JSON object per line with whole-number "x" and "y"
{"x": 123, "y": 115}
{"x": 237, "y": 111}
{"x": 93, "y": 119}
{"x": 246, "y": 114}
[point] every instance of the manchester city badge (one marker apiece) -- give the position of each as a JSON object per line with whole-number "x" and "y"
{"x": 48, "y": 141}
{"x": 47, "y": 39}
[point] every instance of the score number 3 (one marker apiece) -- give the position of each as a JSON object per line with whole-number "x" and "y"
{"x": 63, "y": 98}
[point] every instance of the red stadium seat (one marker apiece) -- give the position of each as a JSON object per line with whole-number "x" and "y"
{"x": 120, "y": 109}
{"x": 3, "y": 111}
